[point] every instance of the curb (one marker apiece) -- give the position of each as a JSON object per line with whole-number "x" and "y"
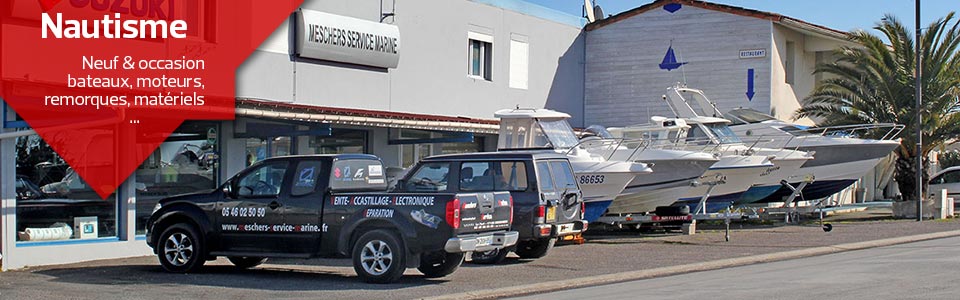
{"x": 687, "y": 268}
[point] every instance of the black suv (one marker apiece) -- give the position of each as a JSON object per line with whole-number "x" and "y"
{"x": 546, "y": 198}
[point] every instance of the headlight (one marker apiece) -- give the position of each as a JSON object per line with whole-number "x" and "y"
{"x": 156, "y": 208}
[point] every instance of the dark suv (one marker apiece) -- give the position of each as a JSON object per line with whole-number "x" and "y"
{"x": 546, "y": 198}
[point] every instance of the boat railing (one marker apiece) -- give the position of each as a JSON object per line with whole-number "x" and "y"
{"x": 890, "y": 130}
{"x": 593, "y": 145}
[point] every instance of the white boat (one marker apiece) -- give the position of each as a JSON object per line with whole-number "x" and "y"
{"x": 736, "y": 171}
{"x": 675, "y": 170}
{"x": 697, "y": 110}
{"x": 841, "y": 158}
{"x": 601, "y": 180}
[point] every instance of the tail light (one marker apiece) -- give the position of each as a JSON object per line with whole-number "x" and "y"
{"x": 511, "y": 209}
{"x": 453, "y": 213}
{"x": 583, "y": 209}
{"x": 541, "y": 214}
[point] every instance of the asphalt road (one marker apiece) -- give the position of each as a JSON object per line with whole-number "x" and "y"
{"x": 921, "y": 270}
{"x": 142, "y": 278}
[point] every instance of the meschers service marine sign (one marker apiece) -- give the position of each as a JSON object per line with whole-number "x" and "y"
{"x": 332, "y": 37}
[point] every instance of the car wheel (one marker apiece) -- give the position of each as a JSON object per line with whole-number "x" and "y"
{"x": 245, "y": 262}
{"x": 439, "y": 264}
{"x": 535, "y": 249}
{"x": 379, "y": 257}
{"x": 180, "y": 249}
{"x": 491, "y": 257}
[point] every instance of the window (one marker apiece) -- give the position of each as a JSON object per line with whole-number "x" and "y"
{"x": 186, "y": 162}
{"x": 949, "y": 177}
{"x": 305, "y": 179}
{"x": 412, "y": 153}
{"x": 52, "y": 201}
{"x": 789, "y": 62}
{"x": 341, "y": 141}
{"x": 519, "y": 62}
{"x": 430, "y": 177}
{"x": 563, "y": 174}
{"x": 493, "y": 176}
{"x": 480, "y": 58}
{"x": 265, "y": 181}
{"x": 543, "y": 173}
{"x": 357, "y": 174}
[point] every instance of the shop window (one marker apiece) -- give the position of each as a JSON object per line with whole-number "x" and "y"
{"x": 480, "y": 57}
{"x": 187, "y": 162}
{"x": 412, "y": 153}
{"x": 454, "y": 148}
{"x": 53, "y": 202}
{"x": 259, "y": 149}
{"x": 341, "y": 141}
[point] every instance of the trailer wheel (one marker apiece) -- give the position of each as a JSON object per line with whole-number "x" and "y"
{"x": 379, "y": 257}
{"x": 535, "y": 249}
{"x": 439, "y": 264}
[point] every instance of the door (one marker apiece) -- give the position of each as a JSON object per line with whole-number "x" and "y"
{"x": 251, "y": 219}
{"x": 548, "y": 190}
{"x": 302, "y": 208}
{"x": 568, "y": 191}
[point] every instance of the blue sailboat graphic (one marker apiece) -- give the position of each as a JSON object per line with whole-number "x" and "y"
{"x": 670, "y": 60}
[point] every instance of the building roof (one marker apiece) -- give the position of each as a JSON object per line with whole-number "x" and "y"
{"x": 251, "y": 107}
{"x": 773, "y": 17}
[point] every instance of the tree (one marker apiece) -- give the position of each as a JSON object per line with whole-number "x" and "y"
{"x": 873, "y": 82}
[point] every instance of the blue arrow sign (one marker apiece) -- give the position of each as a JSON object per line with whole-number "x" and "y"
{"x": 750, "y": 92}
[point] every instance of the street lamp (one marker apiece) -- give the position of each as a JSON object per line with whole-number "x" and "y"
{"x": 919, "y": 157}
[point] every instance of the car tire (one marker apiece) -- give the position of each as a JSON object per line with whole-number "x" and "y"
{"x": 535, "y": 249}
{"x": 439, "y": 264}
{"x": 491, "y": 257}
{"x": 246, "y": 262}
{"x": 181, "y": 249}
{"x": 379, "y": 257}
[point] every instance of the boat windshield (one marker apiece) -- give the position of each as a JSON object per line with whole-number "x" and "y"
{"x": 525, "y": 133}
{"x": 747, "y": 116}
{"x": 559, "y": 133}
{"x": 723, "y": 133}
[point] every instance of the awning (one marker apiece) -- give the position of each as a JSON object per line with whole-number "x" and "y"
{"x": 247, "y": 107}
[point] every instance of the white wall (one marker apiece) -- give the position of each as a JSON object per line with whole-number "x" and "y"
{"x": 431, "y": 77}
{"x": 624, "y": 84}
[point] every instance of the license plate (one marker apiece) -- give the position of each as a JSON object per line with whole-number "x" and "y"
{"x": 565, "y": 228}
{"x": 484, "y": 241}
{"x": 551, "y": 213}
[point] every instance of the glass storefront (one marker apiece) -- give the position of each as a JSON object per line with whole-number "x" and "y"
{"x": 188, "y": 161}
{"x": 341, "y": 141}
{"x": 53, "y": 202}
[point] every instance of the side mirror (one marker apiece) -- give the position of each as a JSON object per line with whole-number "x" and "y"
{"x": 401, "y": 185}
{"x": 228, "y": 189}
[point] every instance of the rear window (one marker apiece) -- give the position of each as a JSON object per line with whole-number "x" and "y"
{"x": 357, "y": 174}
{"x": 493, "y": 176}
{"x": 563, "y": 174}
{"x": 429, "y": 177}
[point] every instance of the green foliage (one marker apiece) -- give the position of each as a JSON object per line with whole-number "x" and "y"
{"x": 948, "y": 159}
{"x": 873, "y": 82}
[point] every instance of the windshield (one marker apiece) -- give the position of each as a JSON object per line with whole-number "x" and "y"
{"x": 746, "y": 115}
{"x": 559, "y": 133}
{"x": 723, "y": 133}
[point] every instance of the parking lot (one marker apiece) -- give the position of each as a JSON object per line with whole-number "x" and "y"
{"x": 607, "y": 253}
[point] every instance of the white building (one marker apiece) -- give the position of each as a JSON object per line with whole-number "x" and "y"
{"x": 739, "y": 57}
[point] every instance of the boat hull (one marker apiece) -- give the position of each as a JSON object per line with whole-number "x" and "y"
{"x": 671, "y": 179}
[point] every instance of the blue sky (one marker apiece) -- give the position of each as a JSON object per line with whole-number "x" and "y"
{"x": 844, "y": 15}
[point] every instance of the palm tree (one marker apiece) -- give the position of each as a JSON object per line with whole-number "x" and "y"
{"x": 873, "y": 82}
